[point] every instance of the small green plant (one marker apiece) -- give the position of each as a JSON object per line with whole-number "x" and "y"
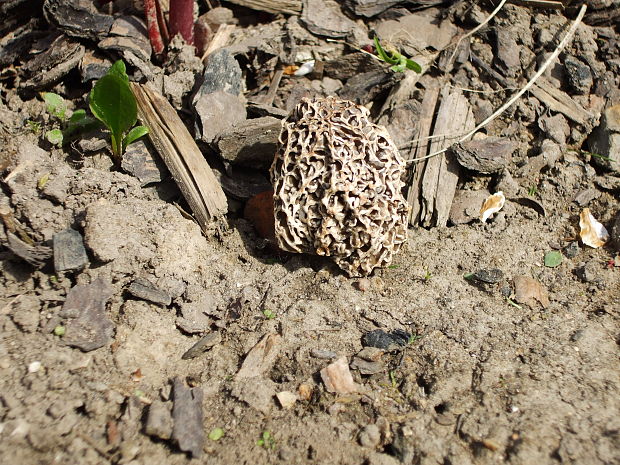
{"x": 216, "y": 434}
{"x": 34, "y": 126}
{"x": 266, "y": 440}
{"x": 398, "y": 61}
{"x": 59, "y": 331}
{"x": 532, "y": 190}
{"x": 413, "y": 338}
{"x": 269, "y": 314}
{"x": 113, "y": 103}
{"x": 553, "y": 258}
{"x": 393, "y": 379}
{"x": 427, "y": 276}
{"x": 71, "y": 125}
{"x": 393, "y": 267}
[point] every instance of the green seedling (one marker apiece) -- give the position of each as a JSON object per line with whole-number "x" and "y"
{"x": 34, "y": 126}
{"x": 216, "y": 434}
{"x": 413, "y": 338}
{"x": 398, "y": 61}
{"x": 427, "y": 276}
{"x": 513, "y": 303}
{"x": 269, "y": 314}
{"x": 43, "y": 181}
{"x": 267, "y": 441}
{"x": 553, "y": 258}
{"x": 532, "y": 191}
{"x": 393, "y": 267}
{"x": 393, "y": 379}
{"x": 113, "y": 103}
{"x": 70, "y": 125}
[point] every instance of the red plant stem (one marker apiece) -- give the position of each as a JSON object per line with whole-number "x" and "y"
{"x": 182, "y": 19}
{"x": 163, "y": 27}
{"x": 150, "y": 12}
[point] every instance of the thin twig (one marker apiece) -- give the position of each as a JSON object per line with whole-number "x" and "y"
{"x": 477, "y": 28}
{"x": 530, "y": 83}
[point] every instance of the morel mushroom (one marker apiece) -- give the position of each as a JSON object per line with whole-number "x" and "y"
{"x": 337, "y": 186}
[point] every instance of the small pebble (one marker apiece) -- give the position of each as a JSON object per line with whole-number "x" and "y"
{"x": 323, "y": 354}
{"x": 34, "y": 367}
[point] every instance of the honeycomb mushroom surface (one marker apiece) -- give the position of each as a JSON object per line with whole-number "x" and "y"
{"x": 337, "y": 186}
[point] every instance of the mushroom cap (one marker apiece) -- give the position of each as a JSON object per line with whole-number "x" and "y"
{"x": 337, "y": 181}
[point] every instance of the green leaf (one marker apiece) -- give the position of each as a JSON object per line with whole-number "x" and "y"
{"x": 216, "y": 434}
{"x": 54, "y": 136}
{"x": 134, "y": 135}
{"x": 77, "y": 116}
{"x": 553, "y": 258}
{"x": 383, "y": 55}
{"x": 113, "y": 103}
{"x": 55, "y": 104}
{"x": 413, "y": 66}
{"x": 119, "y": 69}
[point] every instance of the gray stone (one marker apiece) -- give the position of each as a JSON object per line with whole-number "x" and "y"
{"x": 69, "y": 251}
{"x": 366, "y": 367}
{"x": 588, "y": 272}
{"x": 188, "y": 431}
{"x": 572, "y": 250}
{"x": 324, "y": 18}
{"x": 203, "y": 344}
{"x": 579, "y": 75}
{"x": 369, "y": 8}
{"x": 177, "y": 85}
{"x": 605, "y": 140}
{"x": 507, "y": 53}
{"x": 488, "y": 155}
{"x": 159, "y": 420}
{"x": 251, "y": 143}
{"x": 217, "y": 112}
{"x": 585, "y": 196}
{"x": 555, "y": 127}
{"x": 91, "y": 329}
{"x": 221, "y": 73}
{"x": 144, "y": 289}
{"x": 194, "y": 318}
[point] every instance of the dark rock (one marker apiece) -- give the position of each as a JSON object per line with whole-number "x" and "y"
{"x": 219, "y": 102}
{"x": 37, "y": 254}
{"x": 139, "y": 162}
{"x": 243, "y": 184}
{"x": 579, "y": 75}
{"x": 364, "y": 87}
{"x": 490, "y": 276}
{"x": 203, "y": 344}
{"x": 605, "y": 140}
{"x": 251, "y": 143}
{"x": 369, "y": 8}
{"x": 77, "y": 18}
{"x": 188, "y": 431}
{"x": 90, "y": 329}
{"x": 144, "y": 289}
{"x": 350, "y": 65}
{"x": 507, "y": 53}
{"x": 159, "y": 420}
{"x": 324, "y": 18}
{"x": 572, "y": 250}
{"x": 381, "y": 339}
{"x": 487, "y": 156}
{"x": 128, "y": 33}
{"x": 57, "y": 61}
{"x": 69, "y": 251}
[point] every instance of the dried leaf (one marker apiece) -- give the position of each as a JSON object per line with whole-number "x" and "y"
{"x": 529, "y": 291}
{"x": 492, "y": 205}
{"x": 592, "y": 232}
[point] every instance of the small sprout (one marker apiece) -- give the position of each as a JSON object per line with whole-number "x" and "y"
{"x": 267, "y": 441}
{"x": 413, "y": 338}
{"x": 54, "y": 137}
{"x": 393, "y": 267}
{"x": 269, "y": 314}
{"x": 393, "y": 379}
{"x": 400, "y": 62}
{"x": 59, "y": 331}
{"x": 216, "y": 434}
{"x": 113, "y": 103}
{"x": 53, "y": 279}
{"x": 43, "y": 181}
{"x": 34, "y": 126}
{"x": 427, "y": 276}
{"x": 55, "y": 105}
{"x": 469, "y": 276}
{"x": 513, "y": 303}
{"x": 532, "y": 190}
{"x": 553, "y": 258}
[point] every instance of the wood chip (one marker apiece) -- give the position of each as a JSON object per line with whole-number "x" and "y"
{"x": 338, "y": 378}
{"x": 182, "y": 156}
